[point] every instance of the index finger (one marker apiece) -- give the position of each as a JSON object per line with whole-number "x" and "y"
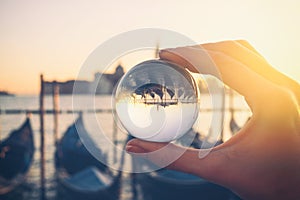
{"x": 243, "y": 52}
{"x": 230, "y": 71}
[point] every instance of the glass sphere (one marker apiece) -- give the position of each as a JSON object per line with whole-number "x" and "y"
{"x": 157, "y": 101}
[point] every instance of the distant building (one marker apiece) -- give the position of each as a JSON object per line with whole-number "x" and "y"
{"x": 5, "y": 93}
{"x": 102, "y": 84}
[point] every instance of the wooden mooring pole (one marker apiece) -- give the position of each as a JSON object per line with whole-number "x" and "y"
{"x": 0, "y": 134}
{"x": 115, "y": 140}
{"x": 55, "y": 110}
{"x": 42, "y": 145}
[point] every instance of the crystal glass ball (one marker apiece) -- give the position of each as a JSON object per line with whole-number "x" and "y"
{"x": 157, "y": 101}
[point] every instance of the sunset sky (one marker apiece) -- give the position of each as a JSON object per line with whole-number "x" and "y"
{"x": 55, "y": 37}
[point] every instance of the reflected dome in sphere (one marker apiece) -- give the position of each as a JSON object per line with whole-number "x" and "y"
{"x": 157, "y": 101}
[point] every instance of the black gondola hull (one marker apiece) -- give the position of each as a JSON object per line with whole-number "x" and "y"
{"x": 160, "y": 187}
{"x": 16, "y": 155}
{"x": 79, "y": 173}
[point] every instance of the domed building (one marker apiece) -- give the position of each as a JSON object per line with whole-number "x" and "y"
{"x": 102, "y": 84}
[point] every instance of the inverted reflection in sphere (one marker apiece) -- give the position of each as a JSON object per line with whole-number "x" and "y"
{"x": 157, "y": 101}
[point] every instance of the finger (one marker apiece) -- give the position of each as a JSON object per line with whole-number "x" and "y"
{"x": 145, "y": 145}
{"x": 229, "y": 70}
{"x": 188, "y": 162}
{"x": 168, "y": 55}
{"x": 243, "y": 52}
{"x": 249, "y": 46}
{"x": 135, "y": 149}
{"x": 161, "y": 154}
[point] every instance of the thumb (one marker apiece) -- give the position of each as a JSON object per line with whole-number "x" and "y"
{"x": 161, "y": 154}
{"x": 182, "y": 159}
{"x": 141, "y": 146}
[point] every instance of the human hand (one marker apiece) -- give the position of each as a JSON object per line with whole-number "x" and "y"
{"x": 262, "y": 160}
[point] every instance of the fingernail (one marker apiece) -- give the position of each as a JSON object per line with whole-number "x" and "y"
{"x": 128, "y": 148}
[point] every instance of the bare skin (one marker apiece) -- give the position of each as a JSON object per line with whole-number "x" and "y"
{"x": 262, "y": 161}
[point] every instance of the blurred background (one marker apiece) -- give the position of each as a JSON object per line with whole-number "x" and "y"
{"x": 54, "y": 38}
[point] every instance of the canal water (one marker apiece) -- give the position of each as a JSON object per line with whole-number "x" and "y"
{"x": 30, "y": 189}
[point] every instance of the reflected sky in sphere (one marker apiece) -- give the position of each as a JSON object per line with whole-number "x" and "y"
{"x": 157, "y": 101}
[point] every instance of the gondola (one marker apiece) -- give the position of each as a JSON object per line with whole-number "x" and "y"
{"x": 174, "y": 185}
{"x": 16, "y": 155}
{"x": 79, "y": 172}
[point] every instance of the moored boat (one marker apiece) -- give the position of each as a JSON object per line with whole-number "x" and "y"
{"x": 16, "y": 155}
{"x": 169, "y": 184}
{"x": 79, "y": 172}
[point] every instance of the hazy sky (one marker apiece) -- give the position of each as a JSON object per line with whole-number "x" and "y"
{"x": 55, "y": 37}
